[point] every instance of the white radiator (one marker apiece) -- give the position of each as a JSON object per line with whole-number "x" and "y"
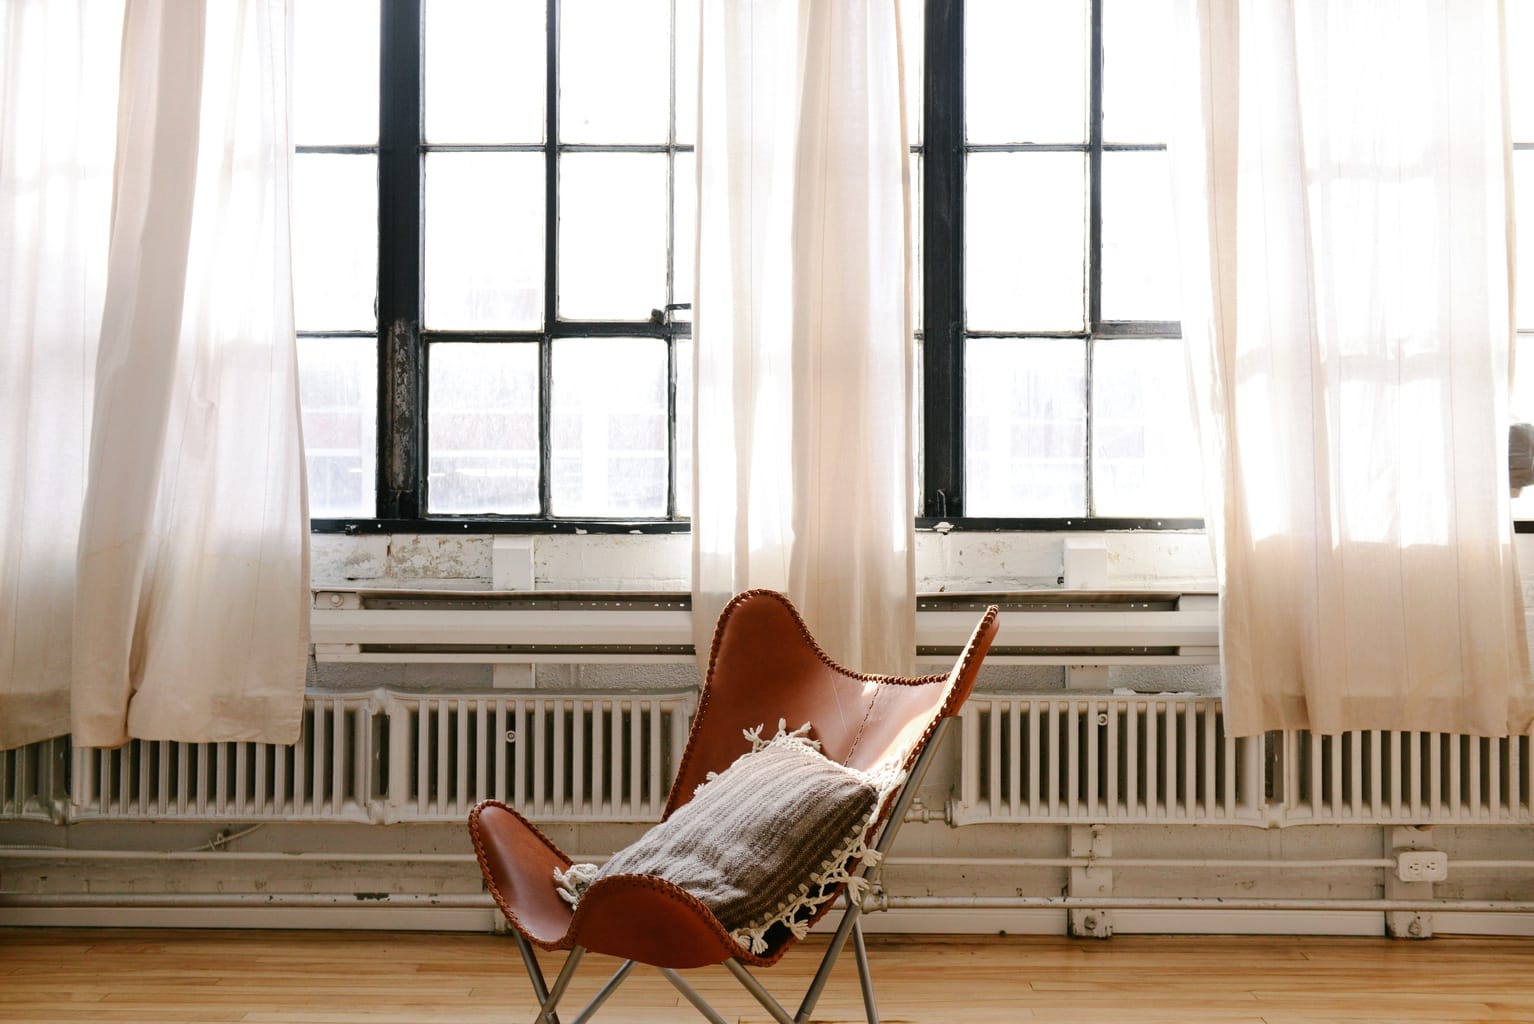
{"x": 325, "y": 776}
{"x": 382, "y": 758}
{"x": 1105, "y": 759}
{"x": 1406, "y": 778}
{"x": 587, "y": 758}
{"x": 1141, "y": 758}
{"x": 1124, "y": 758}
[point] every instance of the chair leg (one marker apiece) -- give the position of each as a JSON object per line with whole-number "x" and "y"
{"x": 761, "y": 995}
{"x": 828, "y": 961}
{"x": 865, "y": 978}
{"x": 534, "y": 973}
{"x": 605, "y": 993}
{"x": 566, "y": 973}
{"x": 690, "y": 994}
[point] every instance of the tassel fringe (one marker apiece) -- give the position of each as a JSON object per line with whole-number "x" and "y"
{"x": 573, "y": 882}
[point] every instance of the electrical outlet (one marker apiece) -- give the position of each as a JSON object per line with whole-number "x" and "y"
{"x": 1422, "y": 865}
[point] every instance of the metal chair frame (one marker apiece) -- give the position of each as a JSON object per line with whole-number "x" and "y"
{"x": 849, "y": 928}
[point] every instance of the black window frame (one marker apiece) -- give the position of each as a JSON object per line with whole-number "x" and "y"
{"x": 404, "y": 343}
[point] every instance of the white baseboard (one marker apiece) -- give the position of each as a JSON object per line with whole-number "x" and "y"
{"x": 1483, "y": 924}
{"x": 1247, "y": 922}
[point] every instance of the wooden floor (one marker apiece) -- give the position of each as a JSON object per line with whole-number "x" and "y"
{"x": 169, "y": 977}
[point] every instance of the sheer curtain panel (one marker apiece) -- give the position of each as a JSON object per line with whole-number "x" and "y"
{"x": 171, "y": 537}
{"x": 1343, "y": 205}
{"x": 58, "y": 102}
{"x": 804, "y": 362}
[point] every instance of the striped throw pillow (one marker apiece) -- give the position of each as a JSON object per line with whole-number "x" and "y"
{"x": 766, "y": 841}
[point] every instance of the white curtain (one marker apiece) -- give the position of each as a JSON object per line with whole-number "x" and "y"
{"x": 804, "y": 363}
{"x": 153, "y": 536}
{"x": 1343, "y": 205}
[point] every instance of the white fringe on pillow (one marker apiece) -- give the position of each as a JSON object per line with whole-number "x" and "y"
{"x": 840, "y": 868}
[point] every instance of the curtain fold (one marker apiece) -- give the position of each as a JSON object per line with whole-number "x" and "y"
{"x": 184, "y": 579}
{"x": 1343, "y": 203}
{"x": 803, "y": 354}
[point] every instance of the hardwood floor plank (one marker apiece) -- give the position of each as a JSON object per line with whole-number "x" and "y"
{"x": 246, "y": 977}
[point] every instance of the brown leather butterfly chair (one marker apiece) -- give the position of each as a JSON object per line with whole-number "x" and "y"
{"x": 764, "y": 667}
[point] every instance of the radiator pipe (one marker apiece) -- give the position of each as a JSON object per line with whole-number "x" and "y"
{"x": 1189, "y": 903}
{"x": 1192, "y": 863}
{"x": 57, "y": 853}
{"x": 1154, "y": 862}
{"x": 455, "y": 901}
{"x": 471, "y": 901}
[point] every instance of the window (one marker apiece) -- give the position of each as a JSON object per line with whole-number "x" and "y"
{"x": 493, "y": 259}
{"x": 1055, "y": 385}
{"x": 520, "y": 190}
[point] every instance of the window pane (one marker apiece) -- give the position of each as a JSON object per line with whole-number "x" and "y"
{"x": 338, "y": 392}
{"x": 1025, "y": 226}
{"x": 335, "y": 241}
{"x": 1139, "y": 261}
{"x": 1520, "y": 43}
{"x": 684, "y": 428}
{"x": 1137, "y": 52}
{"x": 1522, "y": 408}
{"x": 1145, "y": 456}
{"x": 919, "y": 426}
{"x": 1024, "y": 427}
{"x": 484, "y": 69}
{"x": 914, "y": 229}
{"x": 612, "y": 235}
{"x": 335, "y": 72}
{"x": 483, "y": 245}
{"x": 913, "y": 41}
{"x": 1523, "y": 199}
{"x": 1017, "y": 53}
{"x": 482, "y": 428}
{"x": 684, "y": 230}
{"x": 615, "y": 71}
{"x": 687, "y": 25}
{"x": 608, "y": 429}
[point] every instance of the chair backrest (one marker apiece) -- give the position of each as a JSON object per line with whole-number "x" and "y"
{"x": 765, "y": 666}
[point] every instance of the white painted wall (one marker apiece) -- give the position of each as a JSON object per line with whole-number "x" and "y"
{"x": 953, "y": 562}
